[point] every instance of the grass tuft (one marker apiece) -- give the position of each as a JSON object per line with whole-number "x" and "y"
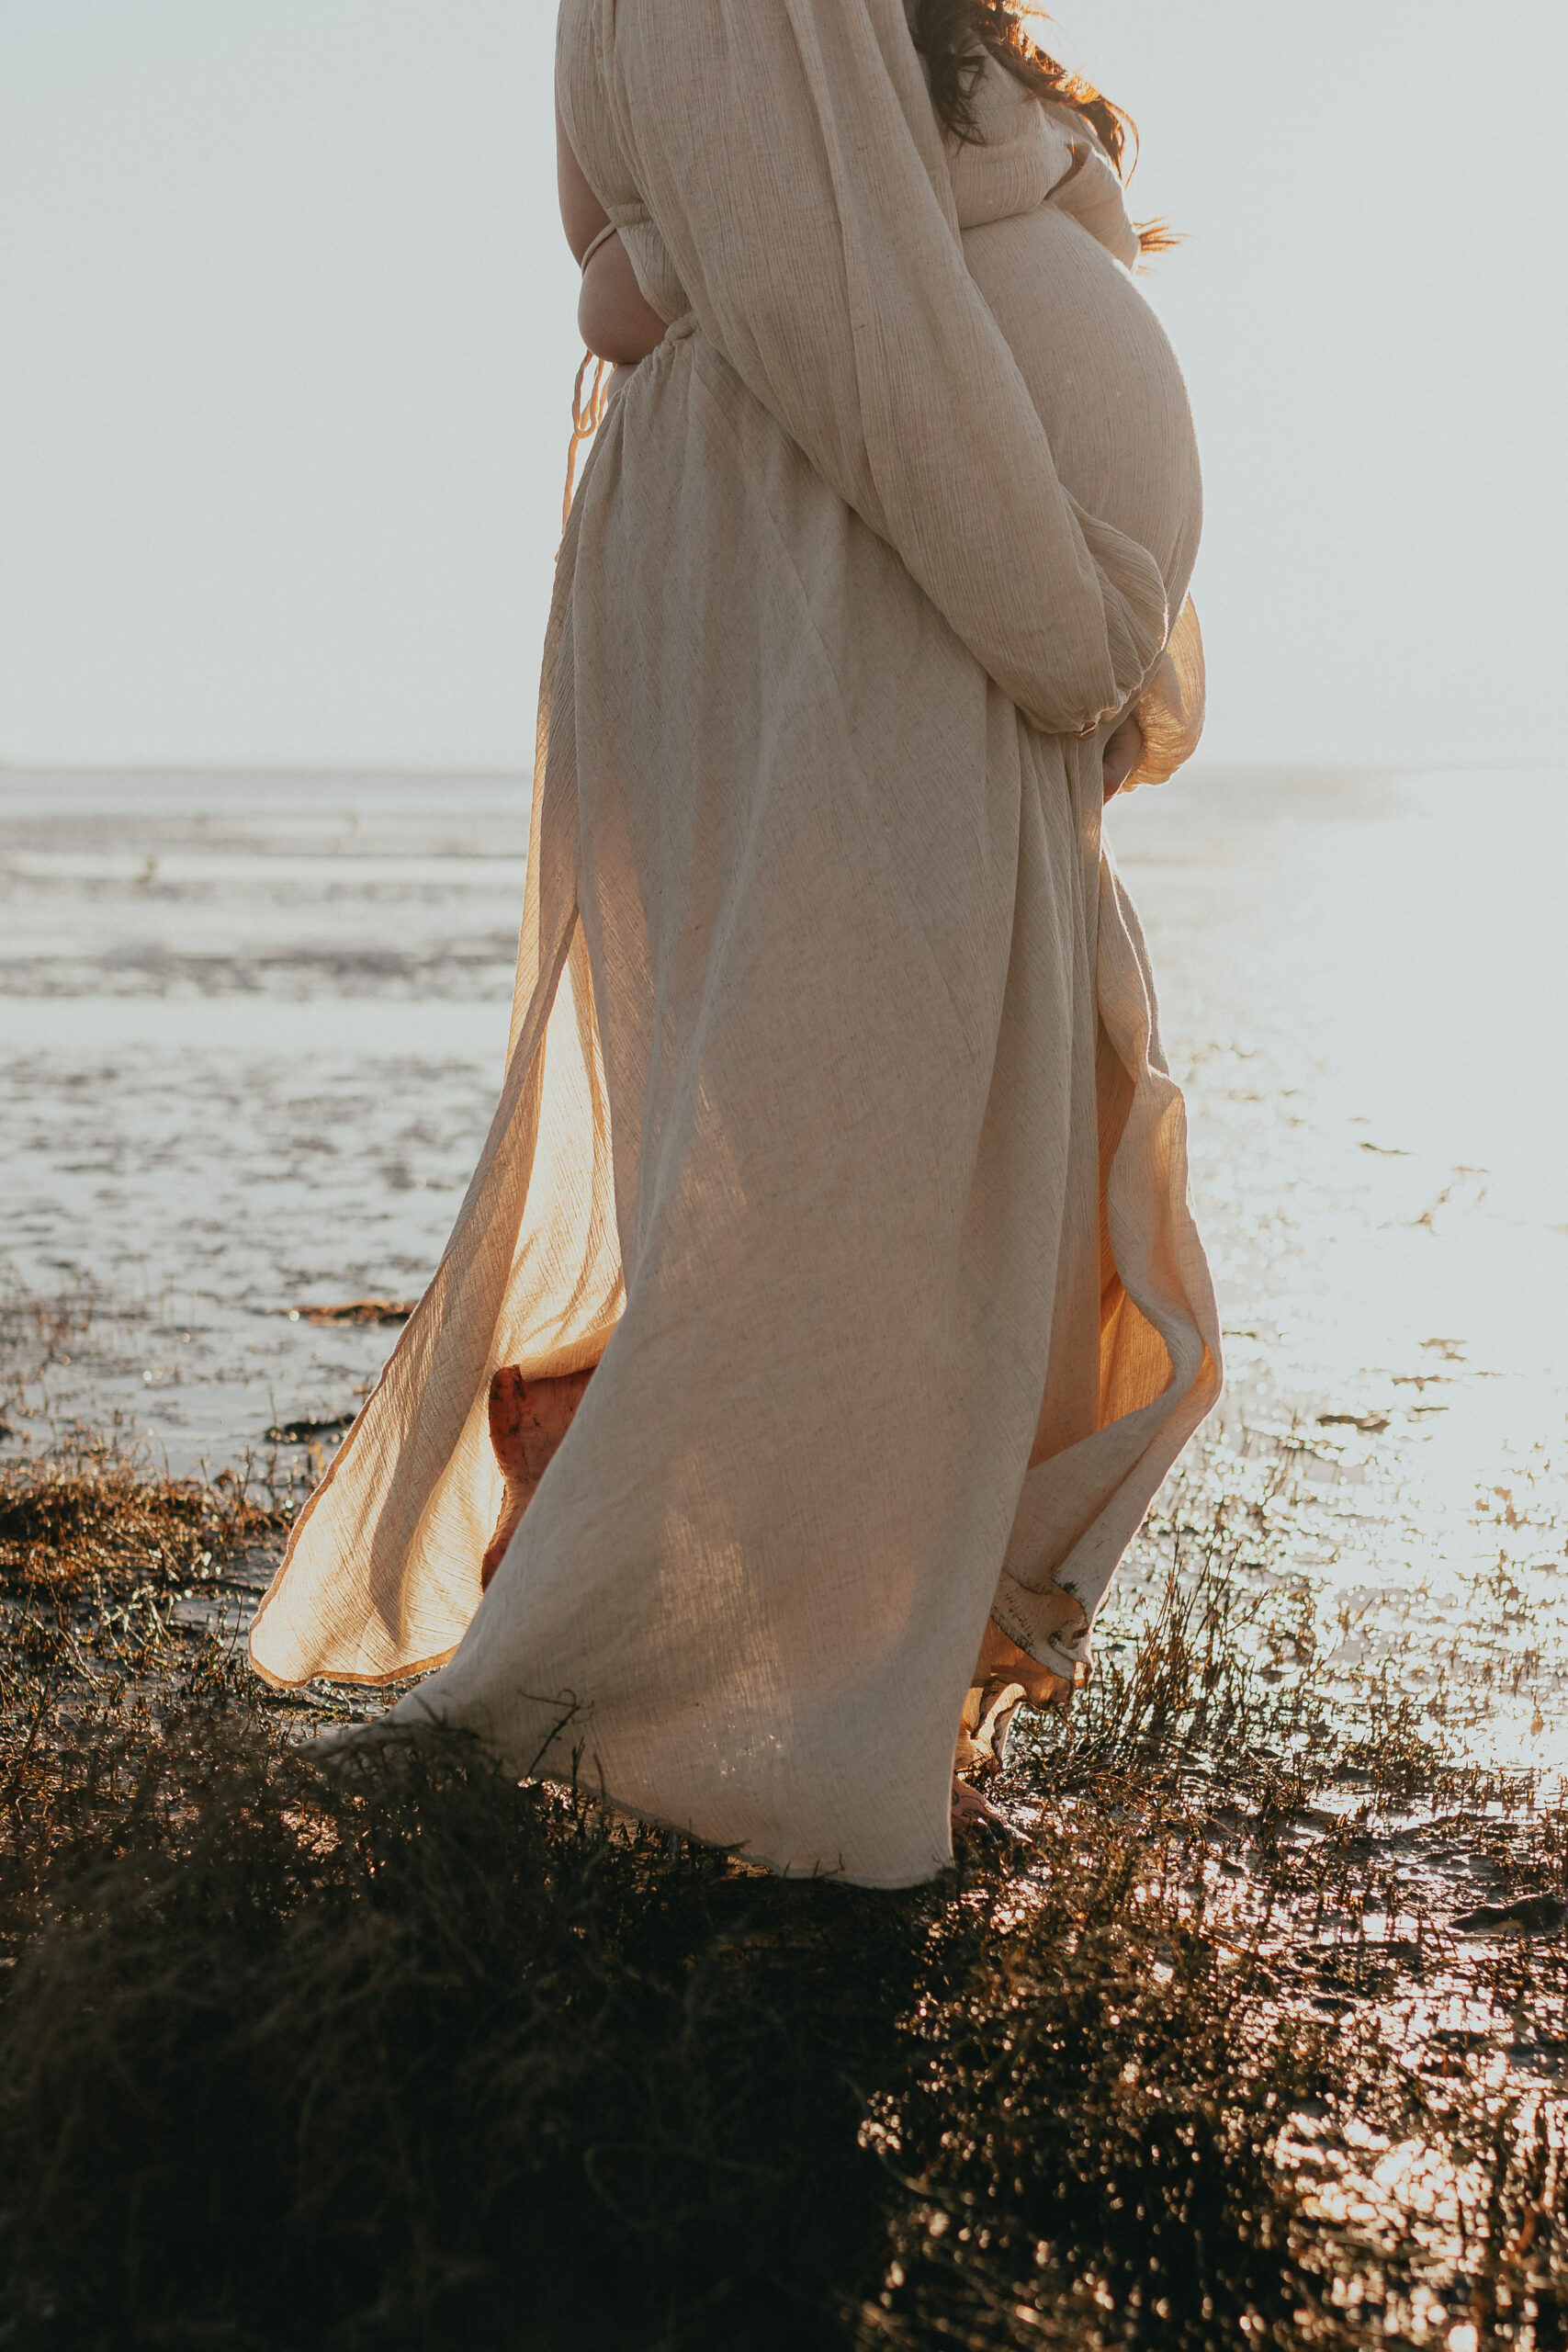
{"x": 87, "y": 1515}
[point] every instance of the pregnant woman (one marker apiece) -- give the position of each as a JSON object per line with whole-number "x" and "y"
{"x": 836, "y": 1143}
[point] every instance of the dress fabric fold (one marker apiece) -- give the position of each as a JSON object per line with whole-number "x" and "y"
{"x": 835, "y": 1118}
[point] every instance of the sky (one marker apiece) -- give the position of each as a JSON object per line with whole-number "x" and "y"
{"x": 286, "y": 345}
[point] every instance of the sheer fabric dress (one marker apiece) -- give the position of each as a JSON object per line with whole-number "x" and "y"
{"x": 835, "y": 1119}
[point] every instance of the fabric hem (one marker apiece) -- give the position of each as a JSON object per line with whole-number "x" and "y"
{"x": 360, "y": 1681}
{"x": 349, "y": 1735}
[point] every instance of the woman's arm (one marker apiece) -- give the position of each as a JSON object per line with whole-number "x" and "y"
{"x": 612, "y": 317}
{"x": 788, "y": 156}
{"x": 581, "y": 214}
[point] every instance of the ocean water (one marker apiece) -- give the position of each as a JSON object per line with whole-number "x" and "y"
{"x": 252, "y": 1030}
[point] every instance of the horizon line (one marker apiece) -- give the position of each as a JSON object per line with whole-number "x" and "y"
{"x": 1338, "y": 764}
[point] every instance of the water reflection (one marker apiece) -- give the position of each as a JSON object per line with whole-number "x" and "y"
{"x": 1361, "y": 981}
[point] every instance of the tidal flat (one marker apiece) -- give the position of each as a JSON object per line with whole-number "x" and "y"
{"x": 1255, "y": 2034}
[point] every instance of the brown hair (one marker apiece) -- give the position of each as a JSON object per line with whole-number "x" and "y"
{"x": 956, "y": 36}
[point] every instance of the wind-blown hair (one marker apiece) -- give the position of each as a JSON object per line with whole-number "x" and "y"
{"x": 956, "y": 36}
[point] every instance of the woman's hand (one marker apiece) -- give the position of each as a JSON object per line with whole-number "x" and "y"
{"x": 1122, "y": 751}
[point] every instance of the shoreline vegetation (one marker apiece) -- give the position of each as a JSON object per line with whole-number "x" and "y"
{"x": 405, "y": 2055}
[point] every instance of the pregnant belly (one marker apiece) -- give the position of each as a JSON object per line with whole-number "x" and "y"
{"x": 1103, "y": 378}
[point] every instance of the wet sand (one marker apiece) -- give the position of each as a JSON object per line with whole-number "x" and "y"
{"x": 251, "y": 1033}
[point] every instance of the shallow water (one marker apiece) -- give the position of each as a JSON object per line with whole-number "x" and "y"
{"x": 1360, "y": 980}
{"x": 251, "y": 1031}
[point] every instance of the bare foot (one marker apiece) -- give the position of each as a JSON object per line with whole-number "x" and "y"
{"x": 528, "y": 1420}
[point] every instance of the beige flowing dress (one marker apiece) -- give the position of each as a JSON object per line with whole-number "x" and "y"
{"x": 835, "y": 1118}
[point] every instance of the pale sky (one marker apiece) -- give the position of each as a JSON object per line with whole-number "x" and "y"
{"x": 286, "y": 345}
